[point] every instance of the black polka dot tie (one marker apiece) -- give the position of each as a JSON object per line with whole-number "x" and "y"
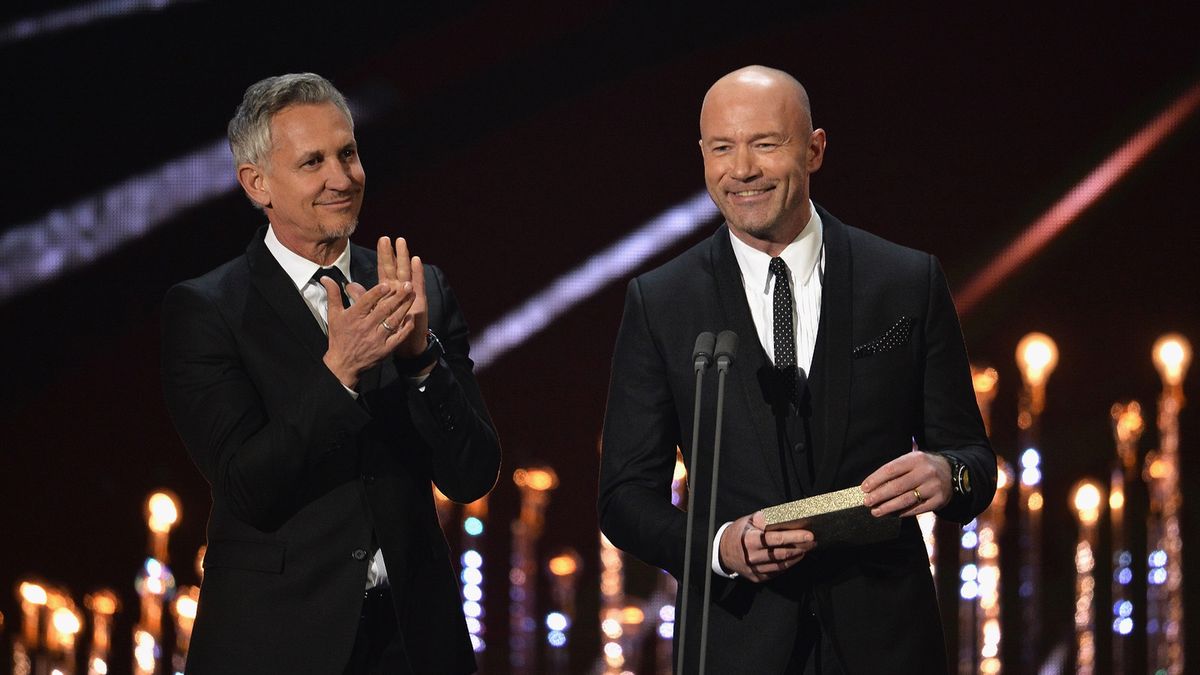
{"x": 785, "y": 338}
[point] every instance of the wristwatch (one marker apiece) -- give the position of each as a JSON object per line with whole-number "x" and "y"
{"x": 433, "y": 352}
{"x": 960, "y": 476}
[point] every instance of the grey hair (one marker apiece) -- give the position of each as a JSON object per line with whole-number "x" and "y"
{"x": 250, "y": 128}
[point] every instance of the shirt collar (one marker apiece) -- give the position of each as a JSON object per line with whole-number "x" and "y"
{"x": 298, "y": 268}
{"x": 802, "y": 255}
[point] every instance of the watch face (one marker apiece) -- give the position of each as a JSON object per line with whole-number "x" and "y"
{"x": 962, "y": 480}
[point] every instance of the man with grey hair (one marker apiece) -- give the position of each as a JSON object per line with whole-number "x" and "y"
{"x": 851, "y": 359}
{"x": 320, "y": 387}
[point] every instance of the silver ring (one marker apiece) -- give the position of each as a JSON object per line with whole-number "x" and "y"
{"x": 386, "y": 327}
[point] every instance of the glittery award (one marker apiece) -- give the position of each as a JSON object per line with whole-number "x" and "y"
{"x": 835, "y": 519}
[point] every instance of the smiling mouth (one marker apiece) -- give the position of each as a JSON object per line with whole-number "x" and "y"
{"x": 751, "y": 193}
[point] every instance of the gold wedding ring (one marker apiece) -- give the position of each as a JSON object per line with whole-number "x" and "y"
{"x": 917, "y": 494}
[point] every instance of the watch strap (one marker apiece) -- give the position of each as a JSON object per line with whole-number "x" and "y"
{"x": 409, "y": 367}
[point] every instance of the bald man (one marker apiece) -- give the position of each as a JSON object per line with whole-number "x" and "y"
{"x": 851, "y": 371}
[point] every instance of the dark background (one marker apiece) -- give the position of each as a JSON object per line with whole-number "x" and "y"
{"x": 510, "y": 141}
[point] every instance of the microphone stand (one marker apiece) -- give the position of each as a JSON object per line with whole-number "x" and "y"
{"x": 701, "y": 360}
{"x": 726, "y": 348}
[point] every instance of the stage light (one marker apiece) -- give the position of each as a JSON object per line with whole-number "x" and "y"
{"x": 563, "y": 565}
{"x": 1063, "y": 212}
{"x": 78, "y": 16}
{"x": 969, "y": 539}
{"x": 556, "y": 621}
{"x": 473, "y": 526}
{"x": 162, "y": 511}
{"x": 162, "y": 515}
{"x": 1037, "y": 356}
{"x": 572, "y": 288}
{"x": 1087, "y": 498}
{"x": 1127, "y": 426}
{"x": 472, "y": 575}
{"x": 145, "y": 653}
{"x": 1172, "y": 356}
{"x": 1086, "y": 501}
{"x": 540, "y": 479}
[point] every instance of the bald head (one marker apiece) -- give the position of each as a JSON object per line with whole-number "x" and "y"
{"x": 761, "y": 84}
{"x": 759, "y": 149}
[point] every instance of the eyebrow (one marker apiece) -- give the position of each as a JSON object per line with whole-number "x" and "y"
{"x": 756, "y": 137}
{"x": 316, "y": 154}
{"x": 311, "y": 154}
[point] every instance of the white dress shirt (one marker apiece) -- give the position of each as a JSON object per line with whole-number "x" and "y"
{"x": 805, "y": 258}
{"x": 301, "y": 270}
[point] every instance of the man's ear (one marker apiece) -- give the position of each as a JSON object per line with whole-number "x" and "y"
{"x": 254, "y": 181}
{"x": 816, "y": 150}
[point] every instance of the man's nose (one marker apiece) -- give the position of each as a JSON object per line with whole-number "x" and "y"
{"x": 744, "y": 166}
{"x": 339, "y": 176}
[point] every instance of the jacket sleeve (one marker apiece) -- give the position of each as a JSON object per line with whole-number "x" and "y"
{"x": 448, "y": 410}
{"x": 952, "y": 423}
{"x": 638, "y": 456}
{"x": 260, "y": 465}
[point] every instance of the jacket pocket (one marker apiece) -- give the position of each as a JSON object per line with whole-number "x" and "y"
{"x": 893, "y": 338}
{"x": 256, "y": 556}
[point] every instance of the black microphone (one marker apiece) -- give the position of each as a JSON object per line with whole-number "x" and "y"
{"x": 702, "y": 355}
{"x": 726, "y": 348}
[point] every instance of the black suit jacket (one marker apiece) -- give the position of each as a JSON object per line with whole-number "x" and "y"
{"x": 306, "y": 480}
{"x": 889, "y": 368}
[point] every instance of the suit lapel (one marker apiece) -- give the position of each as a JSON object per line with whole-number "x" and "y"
{"x": 751, "y": 358}
{"x": 363, "y": 269}
{"x": 280, "y": 293}
{"x": 830, "y": 376}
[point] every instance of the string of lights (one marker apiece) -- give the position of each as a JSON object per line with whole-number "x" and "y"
{"x": 1037, "y": 355}
{"x": 1087, "y": 501}
{"x": 1127, "y": 429}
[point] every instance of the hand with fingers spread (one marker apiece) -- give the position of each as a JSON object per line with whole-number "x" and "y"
{"x": 913, "y": 483}
{"x": 397, "y": 268}
{"x": 359, "y": 337}
{"x": 748, "y": 549}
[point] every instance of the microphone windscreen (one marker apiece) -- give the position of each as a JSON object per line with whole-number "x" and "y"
{"x": 726, "y": 345}
{"x": 705, "y": 343}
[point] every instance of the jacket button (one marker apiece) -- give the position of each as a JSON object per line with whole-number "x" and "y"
{"x": 359, "y": 554}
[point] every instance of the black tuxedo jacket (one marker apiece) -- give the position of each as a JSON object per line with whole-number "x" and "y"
{"x": 889, "y": 369}
{"x": 307, "y": 481}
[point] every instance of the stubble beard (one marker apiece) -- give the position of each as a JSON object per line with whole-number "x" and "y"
{"x": 334, "y": 233}
{"x": 759, "y": 228}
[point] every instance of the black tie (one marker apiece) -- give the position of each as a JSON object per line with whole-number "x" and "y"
{"x": 335, "y": 274}
{"x": 785, "y": 340}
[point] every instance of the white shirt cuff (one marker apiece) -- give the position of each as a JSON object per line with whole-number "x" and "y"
{"x": 418, "y": 381}
{"x": 716, "y": 559}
